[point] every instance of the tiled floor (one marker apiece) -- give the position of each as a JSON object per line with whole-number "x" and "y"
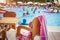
{"x": 54, "y": 35}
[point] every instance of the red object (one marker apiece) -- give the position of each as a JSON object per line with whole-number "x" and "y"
{"x": 2, "y": 12}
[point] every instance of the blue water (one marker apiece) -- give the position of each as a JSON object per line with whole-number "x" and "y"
{"x": 52, "y": 19}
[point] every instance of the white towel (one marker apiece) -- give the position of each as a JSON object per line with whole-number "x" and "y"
{"x": 37, "y": 38}
{"x": 11, "y": 34}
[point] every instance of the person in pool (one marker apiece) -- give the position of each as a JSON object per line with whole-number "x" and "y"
{"x": 24, "y": 22}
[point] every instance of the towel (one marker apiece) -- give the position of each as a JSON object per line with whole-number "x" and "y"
{"x": 43, "y": 30}
{"x": 11, "y": 34}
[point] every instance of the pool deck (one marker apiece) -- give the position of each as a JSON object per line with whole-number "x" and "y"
{"x": 54, "y": 36}
{"x": 53, "y": 28}
{"x": 53, "y": 32}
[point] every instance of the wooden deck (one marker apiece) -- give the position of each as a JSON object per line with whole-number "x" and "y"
{"x": 54, "y": 35}
{"x": 53, "y": 32}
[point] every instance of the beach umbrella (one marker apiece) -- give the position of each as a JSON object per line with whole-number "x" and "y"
{"x": 36, "y": 3}
{"x": 25, "y": 3}
{"x": 30, "y": 2}
{"x": 20, "y": 3}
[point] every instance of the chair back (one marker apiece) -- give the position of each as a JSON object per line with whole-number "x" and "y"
{"x": 23, "y": 33}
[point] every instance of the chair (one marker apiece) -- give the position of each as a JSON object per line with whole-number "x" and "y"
{"x": 19, "y": 31}
{"x": 34, "y": 29}
{"x": 22, "y": 27}
{"x": 9, "y": 14}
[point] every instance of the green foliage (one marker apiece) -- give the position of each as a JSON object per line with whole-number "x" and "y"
{"x": 41, "y": 1}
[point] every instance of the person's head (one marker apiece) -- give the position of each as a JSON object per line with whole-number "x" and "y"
{"x": 24, "y": 21}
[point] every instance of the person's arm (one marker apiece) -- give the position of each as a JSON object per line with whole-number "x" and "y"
{"x": 35, "y": 27}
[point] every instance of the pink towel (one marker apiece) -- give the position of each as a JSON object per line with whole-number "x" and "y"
{"x": 23, "y": 38}
{"x": 43, "y": 30}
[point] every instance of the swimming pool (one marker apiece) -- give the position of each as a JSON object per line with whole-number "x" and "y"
{"x": 52, "y": 19}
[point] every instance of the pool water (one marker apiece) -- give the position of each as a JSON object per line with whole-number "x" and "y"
{"x": 52, "y": 19}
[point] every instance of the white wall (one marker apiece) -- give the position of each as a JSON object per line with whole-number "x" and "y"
{"x": 2, "y": 1}
{"x": 55, "y": 1}
{"x": 59, "y": 1}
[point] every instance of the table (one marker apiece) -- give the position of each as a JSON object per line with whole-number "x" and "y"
{"x": 9, "y": 20}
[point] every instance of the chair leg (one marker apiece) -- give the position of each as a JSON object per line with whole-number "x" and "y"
{"x": 3, "y": 35}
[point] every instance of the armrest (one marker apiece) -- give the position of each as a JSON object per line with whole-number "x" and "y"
{"x": 22, "y": 27}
